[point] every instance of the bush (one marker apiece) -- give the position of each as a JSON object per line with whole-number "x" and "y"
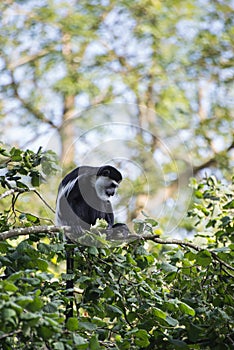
{"x": 148, "y": 294}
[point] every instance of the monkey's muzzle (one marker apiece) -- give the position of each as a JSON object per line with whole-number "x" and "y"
{"x": 110, "y": 192}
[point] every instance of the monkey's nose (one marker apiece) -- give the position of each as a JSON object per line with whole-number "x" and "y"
{"x": 110, "y": 191}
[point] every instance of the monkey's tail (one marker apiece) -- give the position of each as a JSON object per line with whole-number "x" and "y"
{"x": 70, "y": 282}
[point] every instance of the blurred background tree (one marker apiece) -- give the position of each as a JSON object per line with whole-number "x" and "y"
{"x": 147, "y": 84}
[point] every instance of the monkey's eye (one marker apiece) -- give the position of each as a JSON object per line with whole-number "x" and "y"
{"x": 106, "y": 173}
{"x": 113, "y": 185}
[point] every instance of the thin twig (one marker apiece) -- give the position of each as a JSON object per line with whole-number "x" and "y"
{"x": 25, "y": 190}
{"x": 171, "y": 241}
{"x": 7, "y": 193}
{"x": 6, "y": 335}
{"x": 43, "y": 200}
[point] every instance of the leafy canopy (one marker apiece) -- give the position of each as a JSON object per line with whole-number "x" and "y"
{"x": 140, "y": 295}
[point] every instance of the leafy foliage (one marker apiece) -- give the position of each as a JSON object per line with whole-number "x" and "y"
{"x": 174, "y": 60}
{"x": 19, "y": 163}
{"x": 140, "y": 295}
{"x": 19, "y": 170}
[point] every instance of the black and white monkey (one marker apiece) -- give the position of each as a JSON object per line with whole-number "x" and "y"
{"x": 84, "y": 196}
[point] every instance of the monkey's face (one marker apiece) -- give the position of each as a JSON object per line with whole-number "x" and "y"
{"x": 105, "y": 187}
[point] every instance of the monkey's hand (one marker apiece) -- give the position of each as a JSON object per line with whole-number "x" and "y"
{"x": 118, "y": 232}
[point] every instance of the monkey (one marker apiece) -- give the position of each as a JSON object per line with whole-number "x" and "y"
{"x": 83, "y": 197}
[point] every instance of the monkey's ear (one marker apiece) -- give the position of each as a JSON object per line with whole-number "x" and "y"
{"x": 106, "y": 173}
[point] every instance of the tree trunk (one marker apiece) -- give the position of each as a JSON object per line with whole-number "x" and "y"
{"x": 67, "y": 130}
{"x": 67, "y": 134}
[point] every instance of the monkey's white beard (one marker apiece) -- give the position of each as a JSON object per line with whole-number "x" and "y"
{"x": 101, "y": 185}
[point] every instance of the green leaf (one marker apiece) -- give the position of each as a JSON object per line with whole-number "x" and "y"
{"x": 42, "y": 264}
{"x": 45, "y": 332}
{"x": 93, "y": 251}
{"x": 132, "y": 315}
{"x": 4, "y": 152}
{"x": 36, "y": 304}
{"x": 4, "y": 247}
{"x": 7, "y": 314}
{"x": 94, "y": 343}
{"x": 168, "y": 267}
{"x": 9, "y": 287}
{"x": 130, "y": 260}
{"x": 72, "y": 324}
{"x": 220, "y": 233}
{"x": 194, "y": 332}
{"x": 198, "y": 194}
{"x": 142, "y": 338}
{"x": 190, "y": 256}
{"x": 44, "y": 248}
{"x": 186, "y": 309}
{"x": 51, "y": 307}
{"x": 159, "y": 313}
{"x": 87, "y": 326}
{"x": 58, "y": 345}
{"x": 229, "y": 205}
{"x": 171, "y": 321}
{"x": 169, "y": 277}
{"x": 24, "y": 300}
{"x": 16, "y": 307}
{"x": 16, "y": 154}
{"x": 21, "y": 185}
{"x": 30, "y": 316}
{"x": 78, "y": 340}
{"x": 108, "y": 293}
{"x": 68, "y": 276}
{"x": 114, "y": 310}
{"x": 152, "y": 222}
{"x": 32, "y": 218}
{"x": 178, "y": 344}
{"x": 35, "y": 178}
{"x": 203, "y": 258}
{"x": 226, "y": 220}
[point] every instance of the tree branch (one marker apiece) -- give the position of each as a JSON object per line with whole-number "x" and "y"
{"x": 6, "y": 335}
{"x": 28, "y": 105}
{"x": 155, "y": 239}
{"x": 8, "y": 193}
{"x": 163, "y": 194}
{"x": 21, "y": 231}
{"x": 213, "y": 160}
{"x": 26, "y": 59}
{"x": 186, "y": 244}
{"x": 24, "y": 231}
